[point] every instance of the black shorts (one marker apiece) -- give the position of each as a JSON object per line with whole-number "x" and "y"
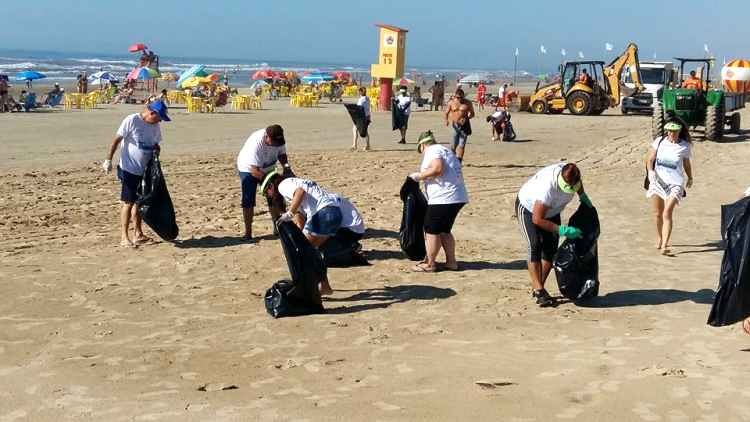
{"x": 542, "y": 245}
{"x": 130, "y": 183}
{"x": 249, "y": 187}
{"x": 440, "y": 218}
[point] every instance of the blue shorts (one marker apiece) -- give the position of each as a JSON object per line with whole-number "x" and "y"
{"x": 130, "y": 183}
{"x": 249, "y": 188}
{"x": 325, "y": 222}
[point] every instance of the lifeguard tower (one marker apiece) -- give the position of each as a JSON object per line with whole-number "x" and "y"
{"x": 391, "y": 60}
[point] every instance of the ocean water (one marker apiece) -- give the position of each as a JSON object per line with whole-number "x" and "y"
{"x": 61, "y": 67}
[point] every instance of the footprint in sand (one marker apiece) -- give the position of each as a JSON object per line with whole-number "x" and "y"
{"x": 385, "y": 406}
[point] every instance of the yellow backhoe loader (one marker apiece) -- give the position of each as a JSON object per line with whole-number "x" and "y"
{"x": 600, "y": 92}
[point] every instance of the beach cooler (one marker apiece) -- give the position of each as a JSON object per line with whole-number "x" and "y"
{"x": 577, "y": 261}
{"x": 300, "y": 295}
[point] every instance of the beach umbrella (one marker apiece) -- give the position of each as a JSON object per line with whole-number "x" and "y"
{"x": 258, "y": 84}
{"x": 342, "y": 75}
{"x": 99, "y": 77}
{"x": 317, "y": 77}
{"x": 137, "y": 47}
{"x": 200, "y": 80}
{"x": 29, "y": 75}
{"x": 168, "y": 76}
{"x": 196, "y": 70}
{"x": 142, "y": 73}
{"x": 403, "y": 81}
{"x": 264, "y": 74}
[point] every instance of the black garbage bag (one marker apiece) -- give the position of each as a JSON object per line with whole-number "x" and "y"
{"x": 577, "y": 261}
{"x": 343, "y": 250}
{"x": 732, "y": 300}
{"x": 307, "y": 269}
{"x": 359, "y": 118}
{"x": 398, "y": 117}
{"x": 411, "y": 233}
{"x": 154, "y": 204}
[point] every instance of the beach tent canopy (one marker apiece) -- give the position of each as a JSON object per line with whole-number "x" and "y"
{"x": 196, "y": 70}
{"x": 142, "y": 73}
{"x": 137, "y": 47}
{"x": 476, "y": 78}
{"x": 29, "y": 75}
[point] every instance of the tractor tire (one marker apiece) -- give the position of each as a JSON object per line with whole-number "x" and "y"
{"x": 734, "y": 123}
{"x": 539, "y": 107}
{"x": 657, "y": 122}
{"x": 579, "y": 103}
{"x": 624, "y": 111}
{"x": 714, "y": 123}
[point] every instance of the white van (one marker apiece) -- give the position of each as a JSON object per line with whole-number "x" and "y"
{"x": 654, "y": 76}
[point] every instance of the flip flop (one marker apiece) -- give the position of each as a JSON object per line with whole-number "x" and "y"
{"x": 423, "y": 269}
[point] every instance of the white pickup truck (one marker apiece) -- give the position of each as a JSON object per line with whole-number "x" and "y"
{"x": 654, "y": 76}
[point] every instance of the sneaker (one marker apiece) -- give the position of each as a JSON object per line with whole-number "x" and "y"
{"x": 543, "y": 299}
{"x": 402, "y": 141}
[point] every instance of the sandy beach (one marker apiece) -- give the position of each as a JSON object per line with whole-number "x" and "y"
{"x": 178, "y": 332}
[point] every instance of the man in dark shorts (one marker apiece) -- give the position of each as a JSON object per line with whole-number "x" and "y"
{"x": 140, "y": 136}
{"x": 458, "y": 115}
{"x": 257, "y": 158}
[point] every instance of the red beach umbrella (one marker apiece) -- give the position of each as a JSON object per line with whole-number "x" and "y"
{"x": 137, "y": 47}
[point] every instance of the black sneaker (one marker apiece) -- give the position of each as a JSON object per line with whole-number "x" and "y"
{"x": 543, "y": 299}
{"x": 402, "y": 141}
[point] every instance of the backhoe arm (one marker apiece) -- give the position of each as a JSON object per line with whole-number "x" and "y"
{"x": 613, "y": 73}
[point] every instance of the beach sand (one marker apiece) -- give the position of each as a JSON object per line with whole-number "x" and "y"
{"x": 91, "y": 331}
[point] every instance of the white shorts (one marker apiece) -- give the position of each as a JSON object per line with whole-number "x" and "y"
{"x": 666, "y": 191}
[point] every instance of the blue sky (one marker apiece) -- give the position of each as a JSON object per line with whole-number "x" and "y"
{"x": 469, "y": 34}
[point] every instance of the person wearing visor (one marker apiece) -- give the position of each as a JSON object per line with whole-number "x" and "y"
{"x": 256, "y": 159}
{"x": 667, "y": 163}
{"x": 446, "y": 195}
{"x": 140, "y": 136}
{"x": 538, "y": 206}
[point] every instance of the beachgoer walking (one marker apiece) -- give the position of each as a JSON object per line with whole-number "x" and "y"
{"x": 668, "y": 163}
{"x": 446, "y": 195}
{"x": 258, "y": 157}
{"x": 481, "y": 93}
{"x": 316, "y": 211}
{"x": 539, "y": 204}
{"x": 438, "y": 92}
{"x": 140, "y": 136}
{"x": 3, "y": 94}
{"x": 364, "y": 102}
{"x": 458, "y": 115}
{"x": 403, "y": 102}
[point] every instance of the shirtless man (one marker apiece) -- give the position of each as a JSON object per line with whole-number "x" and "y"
{"x": 458, "y": 114}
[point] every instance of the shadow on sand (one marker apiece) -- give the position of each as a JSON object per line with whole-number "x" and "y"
{"x": 648, "y": 297}
{"x": 385, "y": 297}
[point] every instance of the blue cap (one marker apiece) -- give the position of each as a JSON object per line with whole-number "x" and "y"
{"x": 159, "y": 107}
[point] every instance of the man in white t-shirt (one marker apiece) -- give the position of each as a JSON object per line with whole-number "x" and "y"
{"x": 316, "y": 211}
{"x": 538, "y": 206}
{"x": 364, "y": 102}
{"x": 257, "y": 158}
{"x": 140, "y": 136}
{"x": 403, "y": 103}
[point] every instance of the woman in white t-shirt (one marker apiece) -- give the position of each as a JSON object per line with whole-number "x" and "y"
{"x": 539, "y": 204}
{"x": 364, "y": 102}
{"x": 668, "y": 162}
{"x": 446, "y": 195}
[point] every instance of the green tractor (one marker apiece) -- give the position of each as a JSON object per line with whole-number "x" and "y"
{"x": 698, "y": 105}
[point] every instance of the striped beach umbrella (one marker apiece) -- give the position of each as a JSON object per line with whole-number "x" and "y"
{"x": 735, "y": 76}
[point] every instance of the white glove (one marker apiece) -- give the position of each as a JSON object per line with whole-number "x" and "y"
{"x": 287, "y": 216}
{"x": 107, "y": 166}
{"x": 415, "y": 177}
{"x": 747, "y": 192}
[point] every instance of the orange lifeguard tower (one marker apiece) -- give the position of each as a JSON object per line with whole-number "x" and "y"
{"x": 391, "y": 61}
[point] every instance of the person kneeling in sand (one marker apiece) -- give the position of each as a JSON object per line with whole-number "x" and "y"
{"x": 539, "y": 204}
{"x": 140, "y": 136}
{"x": 320, "y": 214}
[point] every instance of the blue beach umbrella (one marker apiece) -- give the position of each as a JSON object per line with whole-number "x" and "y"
{"x": 317, "y": 77}
{"x": 29, "y": 75}
{"x": 197, "y": 70}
